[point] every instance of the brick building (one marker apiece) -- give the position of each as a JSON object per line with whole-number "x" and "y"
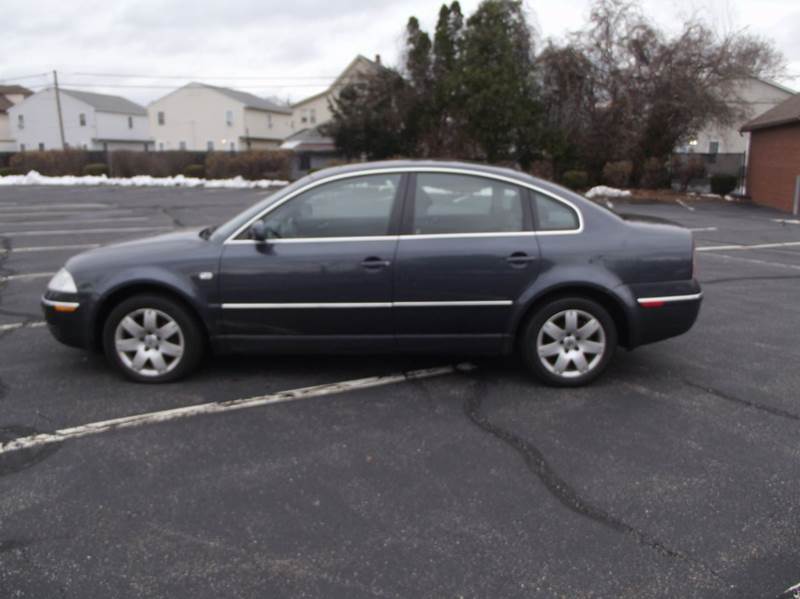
{"x": 773, "y": 163}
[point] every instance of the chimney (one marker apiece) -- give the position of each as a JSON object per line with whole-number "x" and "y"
{"x": 378, "y": 59}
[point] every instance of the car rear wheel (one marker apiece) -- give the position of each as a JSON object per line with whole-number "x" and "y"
{"x": 569, "y": 342}
{"x": 152, "y": 339}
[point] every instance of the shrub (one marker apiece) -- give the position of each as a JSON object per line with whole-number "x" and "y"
{"x": 255, "y": 164}
{"x": 543, "y": 169}
{"x": 723, "y": 184}
{"x": 195, "y": 170}
{"x": 575, "y": 179}
{"x": 686, "y": 168}
{"x": 95, "y": 168}
{"x": 54, "y": 163}
{"x": 5, "y": 171}
{"x": 617, "y": 174}
{"x": 129, "y": 163}
{"x": 654, "y": 174}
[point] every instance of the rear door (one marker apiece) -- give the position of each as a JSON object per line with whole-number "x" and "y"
{"x": 466, "y": 254}
{"x": 323, "y": 278}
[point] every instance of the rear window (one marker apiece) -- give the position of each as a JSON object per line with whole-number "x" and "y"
{"x": 553, "y": 215}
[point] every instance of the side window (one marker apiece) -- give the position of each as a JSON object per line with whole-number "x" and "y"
{"x": 357, "y": 207}
{"x": 552, "y": 215}
{"x": 446, "y": 203}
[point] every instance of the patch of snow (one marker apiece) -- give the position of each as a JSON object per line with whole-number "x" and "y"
{"x": 601, "y": 191}
{"x": 34, "y": 178}
{"x": 711, "y": 195}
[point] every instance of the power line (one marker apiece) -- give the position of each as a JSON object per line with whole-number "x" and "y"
{"x": 243, "y": 77}
{"x": 25, "y": 77}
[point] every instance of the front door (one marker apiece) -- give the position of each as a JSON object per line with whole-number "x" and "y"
{"x": 466, "y": 254}
{"x": 323, "y": 278}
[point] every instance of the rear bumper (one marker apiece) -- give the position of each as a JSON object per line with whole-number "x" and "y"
{"x": 661, "y": 313}
{"x": 66, "y": 319}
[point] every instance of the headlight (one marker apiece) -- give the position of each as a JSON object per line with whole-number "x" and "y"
{"x": 62, "y": 282}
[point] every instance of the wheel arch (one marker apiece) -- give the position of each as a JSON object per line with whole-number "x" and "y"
{"x": 123, "y": 292}
{"x": 613, "y": 304}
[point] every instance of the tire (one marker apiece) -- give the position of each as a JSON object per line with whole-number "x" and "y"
{"x": 163, "y": 343}
{"x": 573, "y": 353}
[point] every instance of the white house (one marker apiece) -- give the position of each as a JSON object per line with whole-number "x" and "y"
{"x": 315, "y": 110}
{"x": 91, "y": 121}
{"x": 206, "y": 117}
{"x": 756, "y": 96}
{"x": 9, "y": 95}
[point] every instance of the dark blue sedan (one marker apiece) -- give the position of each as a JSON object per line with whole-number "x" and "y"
{"x": 402, "y": 256}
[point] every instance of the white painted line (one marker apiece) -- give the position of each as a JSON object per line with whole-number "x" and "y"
{"x": 63, "y": 223}
{"x": 45, "y": 248}
{"x": 83, "y": 231}
{"x": 685, "y": 205}
{"x": 786, "y": 221}
{"x": 76, "y": 206}
{"x": 94, "y": 428}
{"x": 57, "y": 213}
{"x": 32, "y": 275}
{"x": 754, "y": 261}
{"x": 758, "y": 246}
{"x": 22, "y": 325}
{"x": 698, "y": 229}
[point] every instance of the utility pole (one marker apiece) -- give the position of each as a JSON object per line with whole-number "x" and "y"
{"x": 58, "y": 108}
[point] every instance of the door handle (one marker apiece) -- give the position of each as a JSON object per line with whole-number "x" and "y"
{"x": 520, "y": 259}
{"x": 374, "y": 263}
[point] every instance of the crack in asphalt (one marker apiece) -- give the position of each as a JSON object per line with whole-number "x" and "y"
{"x": 562, "y": 491}
{"x": 175, "y": 220}
{"x": 22, "y": 460}
{"x": 744, "y": 402}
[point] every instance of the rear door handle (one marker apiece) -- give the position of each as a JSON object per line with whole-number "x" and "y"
{"x": 374, "y": 263}
{"x": 520, "y": 259}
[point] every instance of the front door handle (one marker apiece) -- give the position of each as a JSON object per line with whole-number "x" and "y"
{"x": 374, "y": 263}
{"x": 520, "y": 259}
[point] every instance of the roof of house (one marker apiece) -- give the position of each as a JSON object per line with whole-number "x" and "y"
{"x": 249, "y": 100}
{"x": 14, "y": 89}
{"x": 308, "y": 139}
{"x": 106, "y": 103}
{"x": 5, "y": 104}
{"x": 342, "y": 78}
{"x": 787, "y": 112}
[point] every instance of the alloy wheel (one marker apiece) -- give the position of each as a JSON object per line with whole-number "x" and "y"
{"x": 149, "y": 342}
{"x": 571, "y": 343}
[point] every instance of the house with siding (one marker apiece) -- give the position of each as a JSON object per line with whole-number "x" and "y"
{"x": 91, "y": 121}
{"x": 773, "y": 167}
{"x": 9, "y": 96}
{"x": 315, "y": 110}
{"x": 201, "y": 117}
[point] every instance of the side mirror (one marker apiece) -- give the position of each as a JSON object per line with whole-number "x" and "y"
{"x": 258, "y": 231}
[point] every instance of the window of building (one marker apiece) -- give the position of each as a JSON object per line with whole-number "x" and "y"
{"x": 269, "y": 120}
{"x": 313, "y": 115}
{"x": 446, "y": 203}
{"x": 21, "y": 147}
{"x": 41, "y": 146}
{"x": 182, "y": 145}
{"x": 713, "y": 147}
{"x": 356, "y": 207}
{"x": 130, "y": 122}
{"x": 161, "y": 118}
{"x": 161, "y": 146}
{"x": 82, "y": 119}
{"x": 229, "y": 118}
{"x": 20, "y": 121}
{"x": 210, "y": 146}
{"x": 232, "y": 146}
{"x": 552, "y": 215}
{"x": 304, "y": 117}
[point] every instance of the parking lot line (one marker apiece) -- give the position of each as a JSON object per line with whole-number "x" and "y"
{"x": 118, "y": 219}
{"x": 83, "y": 231}
{"x": 21, "y": 325}
{"x": 699, "y": 229}
{"x": 59, "y": 213}
{"x": 758, "y": 246}
{"x": 103, "y": 426}
{"x": 45, "y": 248}
{"x": 755, "y": 261}
{"x": 23, "y": 277}
{"x": 685, "y": 205}
{"x": 87, "y": 206}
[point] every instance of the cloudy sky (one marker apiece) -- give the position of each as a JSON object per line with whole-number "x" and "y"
{"x": 290, "y": 49}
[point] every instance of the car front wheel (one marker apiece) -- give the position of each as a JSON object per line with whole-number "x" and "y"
{"x": 152, "y": 339}
{"x": 569, "y": 342}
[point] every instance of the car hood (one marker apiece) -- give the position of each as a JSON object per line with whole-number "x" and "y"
{"x": 150, "y": 250}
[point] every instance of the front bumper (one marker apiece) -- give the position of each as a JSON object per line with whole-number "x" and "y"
{"x": 66, "y": 319}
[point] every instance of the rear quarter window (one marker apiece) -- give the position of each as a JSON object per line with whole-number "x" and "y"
{"x": 553, "y": 215}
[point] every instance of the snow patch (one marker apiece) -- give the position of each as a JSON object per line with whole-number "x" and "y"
{"x": 602, "y": 191}
{"x": 34, "y": 178}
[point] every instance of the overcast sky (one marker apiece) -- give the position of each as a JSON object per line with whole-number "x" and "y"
{"x": 288, "y": 49}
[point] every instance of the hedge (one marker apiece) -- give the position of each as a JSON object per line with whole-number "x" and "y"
{"x": 255, "y": 164}
{"x": 723, "y": 184}
{"x": 575, "y": 179}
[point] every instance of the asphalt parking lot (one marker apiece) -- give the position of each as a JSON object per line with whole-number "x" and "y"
{"x": 675, "y": 475}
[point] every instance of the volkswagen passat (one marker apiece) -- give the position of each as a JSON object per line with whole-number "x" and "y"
{"x": 388, "y": 257}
